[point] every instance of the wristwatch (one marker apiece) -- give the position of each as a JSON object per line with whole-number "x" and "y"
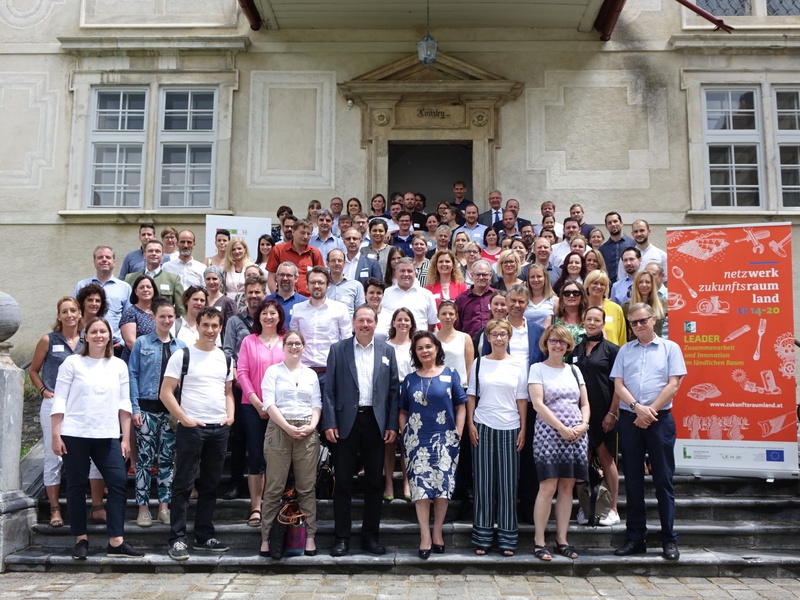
{"x": 632, "y": 405}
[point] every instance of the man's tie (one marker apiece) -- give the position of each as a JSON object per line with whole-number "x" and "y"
{"x": 496, "y": 216}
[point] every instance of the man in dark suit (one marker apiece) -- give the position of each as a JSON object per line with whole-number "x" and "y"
{"x": 360, "y": 416}
{"x": 358, "y": 267}
{"x": 495, "y": 212}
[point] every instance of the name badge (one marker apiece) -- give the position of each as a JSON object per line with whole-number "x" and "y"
{"x": 609, "y": 319}
{"x": 574, "y": 359}
{"x": 436, "y": 296}
{"x": 445, "y": 378}
{"x": 364, "y": 273}
{"x": 58, "y": 347}
{"x": 164, "y": 287}
{"x": 309, "y": 267}
{"x": 385, "y": 360}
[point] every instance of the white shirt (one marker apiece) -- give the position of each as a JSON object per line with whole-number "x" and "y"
{"x": 558, "y": 229}
{"x": 502, "y": 383}
{"x": 416, "y": 299}
{"x": 518, "y": 344}
{"x": 90, "y": 392}
{"x": 365, "y": 365}
{"x": 191, "y": 273}
{"x": 203, "y": 393}
{"x": 349, "y": 271}
{"x": 650, "y": 254}
{"x": 294, "y": 400}
{"x": 402, "y": 354}
{"x": 321, "y": 327}
{"x": 560, "y": 251}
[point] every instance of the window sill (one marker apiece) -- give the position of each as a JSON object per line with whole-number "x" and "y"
{"x": 129, "y": 216}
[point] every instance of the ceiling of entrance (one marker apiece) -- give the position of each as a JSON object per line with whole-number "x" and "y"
{"x": 393, "y": 14}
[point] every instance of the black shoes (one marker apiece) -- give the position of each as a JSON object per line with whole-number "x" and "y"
{"x": 232, "y": 493}
{"x": 671, "y": 551}
{"x": 124, "y": 550}
{"x": 81, "y": 550}
{"x": 340, "y": 548}
{"x": 373, "y": 547}
{"x": 437, "y": 549}
{"x": 424, "y": 554}
{"x": 631, "y": 548}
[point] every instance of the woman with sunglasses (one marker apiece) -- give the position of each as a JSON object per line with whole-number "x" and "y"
{"x": 558, "y": 394}
{"x": 570, "y": 310}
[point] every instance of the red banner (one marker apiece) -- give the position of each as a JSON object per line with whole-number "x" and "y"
{"x": 730, "y": 306}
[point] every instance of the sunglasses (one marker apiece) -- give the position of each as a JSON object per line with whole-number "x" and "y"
{"x": 571, "y": 293}
{"x": 640, "y": 322}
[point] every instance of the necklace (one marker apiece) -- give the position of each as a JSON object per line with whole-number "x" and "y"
{"x": 269, "y": 342}
{"x": 424, "y": 393}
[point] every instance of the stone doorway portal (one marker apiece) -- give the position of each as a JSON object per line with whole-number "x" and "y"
{"x": 450, "y": 102}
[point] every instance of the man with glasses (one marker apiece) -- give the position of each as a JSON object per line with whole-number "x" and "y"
{"x": 286, "y": 294}
{"x": 646, "y": 374}
{"x": 473, "y": 304}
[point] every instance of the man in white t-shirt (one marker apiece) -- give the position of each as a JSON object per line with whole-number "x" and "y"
{"x": 205, "y": 414}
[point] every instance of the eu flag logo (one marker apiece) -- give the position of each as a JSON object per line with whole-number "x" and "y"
{"x": 774, "y": 455}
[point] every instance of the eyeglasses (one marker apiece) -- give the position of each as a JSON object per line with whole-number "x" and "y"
{"x": 481, "y": 275}
{"x": 640, "y": 322}
{"x": 473, "y": 251}
{"x": 498, "y": 335}
{"x": 293, "y": 344}
{"x": 513, "y": 263}
{"x": 571, "y": 293}
{"x": 556, "y": 342}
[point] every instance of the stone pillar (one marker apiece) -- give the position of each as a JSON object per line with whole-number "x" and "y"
{"x": 17, "y": 512}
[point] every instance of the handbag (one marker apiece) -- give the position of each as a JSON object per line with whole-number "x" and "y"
{"x": 288, "y": 532}
{"x": 326, "y": 479}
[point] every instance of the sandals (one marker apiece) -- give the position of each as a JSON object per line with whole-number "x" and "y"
{"x": 254, "y": 521}
{"x": 96, "y": 508}
{"x": 56, "y": 521}
{"x": 481, "y": 551}
{"x": 566, "y": 550}
{"x": 508, "y": 553}
{"x": 542, "y": 553}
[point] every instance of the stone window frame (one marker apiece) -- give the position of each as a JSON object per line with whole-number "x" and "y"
{"x": 765, "y": 84}
{"x": 83, "y": 86}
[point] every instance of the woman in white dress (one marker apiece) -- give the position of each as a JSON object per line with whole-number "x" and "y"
{"x": 458, "y": 347}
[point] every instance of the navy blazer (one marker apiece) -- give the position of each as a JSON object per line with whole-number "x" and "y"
{"x": 340, "y": 404}
{"x": 535, "y": 332}
{"x": 366, "y": 268}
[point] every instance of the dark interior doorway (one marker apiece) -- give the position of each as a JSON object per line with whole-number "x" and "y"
{"x": 430, "y": 168}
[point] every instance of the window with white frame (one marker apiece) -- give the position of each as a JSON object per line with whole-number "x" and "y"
{"x": 738, "y": 141}
{"x": 184, "y": 162}
{"x": 746, "y": 8}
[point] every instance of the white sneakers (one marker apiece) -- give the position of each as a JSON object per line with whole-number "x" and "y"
{"x": 611, "y": 519}
{"x": 581, "y": 518}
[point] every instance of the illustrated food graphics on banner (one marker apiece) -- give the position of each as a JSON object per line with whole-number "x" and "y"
{"x": 730, "y": 304}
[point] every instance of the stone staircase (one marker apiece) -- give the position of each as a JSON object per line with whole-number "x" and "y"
{"x": 727, "y": 527}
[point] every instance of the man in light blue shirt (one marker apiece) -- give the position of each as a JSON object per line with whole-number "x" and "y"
{"x": 622, "y": 288}
{"x": 646, "y": 374}
{"x": 118, "y": 293}
{"x": 472, "y": 228}
{"x": 325, "y": 240}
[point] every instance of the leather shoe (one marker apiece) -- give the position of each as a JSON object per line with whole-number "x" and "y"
{"x": 373, "y": 547}
{"x": 631, "y": 547}
{"x": 232, "y": 493}
{"x": 671, "y": 551}
{"x": 340, "y": 548}
{"x": 424, "y": 554}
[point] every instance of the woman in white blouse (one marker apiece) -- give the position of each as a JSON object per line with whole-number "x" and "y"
{"x": 292, "y": 399}
{"x": 91, "y": 410}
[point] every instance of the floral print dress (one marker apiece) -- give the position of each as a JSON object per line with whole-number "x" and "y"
{"x": 430, "y": 439}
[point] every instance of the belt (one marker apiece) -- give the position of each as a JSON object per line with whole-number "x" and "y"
{"x": 213, "y": 426}
{"x": 363, "y": 409}
{"x": 318, "y": 369}
{"x": 299, "y": 422}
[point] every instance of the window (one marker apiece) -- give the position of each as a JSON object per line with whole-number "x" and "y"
{"x": 742, "y": 139}
{"x": 747, "y": 8}
{"x": 183, "y": 165}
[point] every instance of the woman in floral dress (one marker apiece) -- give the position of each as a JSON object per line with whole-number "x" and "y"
{"x": 432, "y": 412}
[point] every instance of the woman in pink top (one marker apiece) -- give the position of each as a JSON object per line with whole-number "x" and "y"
{"x": 260, "y": 350}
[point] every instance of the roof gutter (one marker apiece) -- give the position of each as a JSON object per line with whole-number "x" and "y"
{"x": 607, "y": 18}
{"x": 250, "y": 11}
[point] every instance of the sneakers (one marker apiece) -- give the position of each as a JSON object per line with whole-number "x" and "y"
{"x": 611, "y": 519}
{"x": 212, "y": 545}
{"x": 81, "y": 550}
{"x": 179, "y": 551}
{"x": 163, "y": 516}
{"x": 124, "y": 550}
{"x": 581, "y": 518}
{"x": 145, "y": 519}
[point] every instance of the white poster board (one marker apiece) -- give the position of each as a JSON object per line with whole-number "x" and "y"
{"x": 249, "y": 228}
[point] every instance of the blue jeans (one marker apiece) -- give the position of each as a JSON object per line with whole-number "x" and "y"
{"x": 107, "y": 456}
{"x": 205, "y": 446}
{"x": 658, "y": 441}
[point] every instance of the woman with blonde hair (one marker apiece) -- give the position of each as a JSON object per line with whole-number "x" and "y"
{"x": 558, "y": 394}
{"x": 598, "y": 286}
{"x": 644, "y": 290}
{"x": 508, "y": 269}
{"x": 237, "y": 258}
{"x": 460, "y": 242}
{"x": 542, "y": 300}
{"x": 596, "y": 239}
{"x": 594, "y": 260}
{"x": 445, "y": 279}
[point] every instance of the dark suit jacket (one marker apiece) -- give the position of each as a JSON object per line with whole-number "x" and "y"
{"x": 340, "y": 404}
{"x": 520, "y": 224}
{"x": 535, "y": 332}
{"x": 487, "y": 218}
{"x": 366, "y": 268}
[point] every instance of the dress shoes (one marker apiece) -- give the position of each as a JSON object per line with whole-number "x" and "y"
{"x": 671, "y": 551}
{"x": 438, "y": 548}
{"x": 425, "y": 554}
{"x": 372, "y": 546}
{"x": 631, "y": 548}
{"x": 340, "y": 548}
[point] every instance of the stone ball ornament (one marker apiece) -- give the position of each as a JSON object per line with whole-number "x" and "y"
{"x": 10, "y": 316}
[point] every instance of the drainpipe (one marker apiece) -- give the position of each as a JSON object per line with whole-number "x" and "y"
{"x": 607, "y": 18}
{"x": 250, "y": 11}
{"x": 706, "y": 15}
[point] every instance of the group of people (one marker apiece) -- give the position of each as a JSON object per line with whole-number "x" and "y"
{"x": 498, "y": 357}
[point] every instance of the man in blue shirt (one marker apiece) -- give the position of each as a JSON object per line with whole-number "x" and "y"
{"x": 118, "y": 292}
{"x": 622, "y": 289}
{"x": 615, "y": 245}
{"x": 135, "y": 260}
{"x": 286, "y": 279}
{"x": 646, "y": 374}
{"x": 325, "y": 240}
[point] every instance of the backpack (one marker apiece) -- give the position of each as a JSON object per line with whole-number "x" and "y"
{"x": 594, "y": 498}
